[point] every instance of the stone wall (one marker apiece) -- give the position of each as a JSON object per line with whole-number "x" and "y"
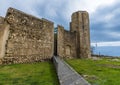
{"x": 70, "y": 44}
{"x": 4, "y": 31}
{"x": 29, "y": 38}
{"x": 25, "y": 38}
{"x": 1, "y": 20}
{"x": 60, "y": 41}
{"x": 76, "y": 42}
{"x": 86, "y": 35}
{"x": 66, "y": 43}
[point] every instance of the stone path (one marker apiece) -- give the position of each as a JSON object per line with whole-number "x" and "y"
{"x": 67, "y": 75}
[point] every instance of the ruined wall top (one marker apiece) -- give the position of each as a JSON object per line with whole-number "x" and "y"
{"x": 77, "y": 16}
{"x": 60, "y": 26}
{"x": 79, "y": 12}
{"x": 15, "y": 16}
{"x": 48, "y": 21}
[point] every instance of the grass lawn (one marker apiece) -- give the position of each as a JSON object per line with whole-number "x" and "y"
{"x": 98, "y": 72}
{"x": 42, "y": 73}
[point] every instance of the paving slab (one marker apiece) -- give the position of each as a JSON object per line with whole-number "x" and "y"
{"x": 66, "y": 74}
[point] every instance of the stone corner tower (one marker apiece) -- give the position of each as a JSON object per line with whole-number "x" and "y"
{"x": 80, "y": 24}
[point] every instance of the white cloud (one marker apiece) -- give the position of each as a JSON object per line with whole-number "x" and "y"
{"x": 89, "y": 5}
{"x": 114, "y": 34}
{"x": 101, "y": 44}
{"x": 51, "y": 6}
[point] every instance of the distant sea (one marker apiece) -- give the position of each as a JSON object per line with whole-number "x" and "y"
{"x": 108, "y": 50}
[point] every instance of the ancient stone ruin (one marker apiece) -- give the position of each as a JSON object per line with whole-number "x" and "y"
{"x": 25, "y": 38}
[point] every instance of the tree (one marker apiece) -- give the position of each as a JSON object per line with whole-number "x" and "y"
{"x": 92, "y": 49}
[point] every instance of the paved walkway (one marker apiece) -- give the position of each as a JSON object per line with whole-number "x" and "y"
{"x": 67, "y": 75}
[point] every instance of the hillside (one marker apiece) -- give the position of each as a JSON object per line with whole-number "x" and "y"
{"x": 98, "y": 72}
{"x": 42, "y": 73}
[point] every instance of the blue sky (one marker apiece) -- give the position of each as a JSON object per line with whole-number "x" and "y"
{"x": 104, "y": 18}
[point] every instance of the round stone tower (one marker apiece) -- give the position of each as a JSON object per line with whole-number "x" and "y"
{"x": 80, "y": 25}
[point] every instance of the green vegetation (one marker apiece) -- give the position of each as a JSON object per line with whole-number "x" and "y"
{"x": 42, "y": 73}
{"x": 98, "y": 72}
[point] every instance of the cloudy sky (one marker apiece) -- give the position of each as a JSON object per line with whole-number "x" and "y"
{"x": 104, "y": 18}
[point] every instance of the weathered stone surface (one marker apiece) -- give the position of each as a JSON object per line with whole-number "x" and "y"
{"x": 1, "y": 20}
{"x": 60, "y": 41}
{"x": 24, "y": 36}
{"x": 80, "y": 25}
{"x": 66, "y": 43}
{"x": 76, "y": 42}
{"x": 23, "y": 59}
{"x": 4, "y": 32}
{"x": 0, "y": 61}
{"x": 28, "y": 37}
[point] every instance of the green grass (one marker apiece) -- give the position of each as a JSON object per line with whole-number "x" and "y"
{"x": 42, "y": 73}
{"x": 98, "y": 72}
